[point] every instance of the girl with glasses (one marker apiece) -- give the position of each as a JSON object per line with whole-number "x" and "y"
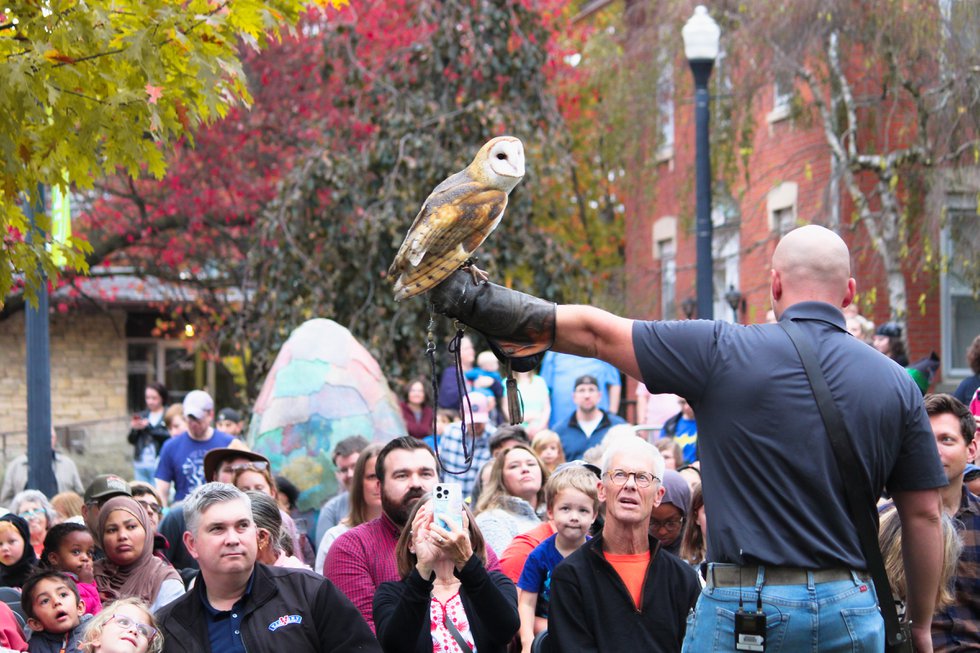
{"x": 127, "y": 626}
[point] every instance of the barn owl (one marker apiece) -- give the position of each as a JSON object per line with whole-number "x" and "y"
{"x": 457, "y": 217}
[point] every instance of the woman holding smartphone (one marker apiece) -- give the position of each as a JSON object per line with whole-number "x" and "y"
{"x": 447, "y": 599}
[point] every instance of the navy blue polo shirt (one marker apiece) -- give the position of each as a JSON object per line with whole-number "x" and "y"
{"x": 772, "y": 490}
{"x": 225, "y": 626}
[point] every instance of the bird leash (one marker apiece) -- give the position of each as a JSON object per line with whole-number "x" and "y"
{"x": 464, "y": 399}
{"x": 515, "y": 402}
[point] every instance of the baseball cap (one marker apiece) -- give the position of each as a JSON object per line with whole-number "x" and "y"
{"x": 481, "y": 408}
{"x": 106, "y": 486}
{"x": 579, "y": 463}
{"x": 586, "y": 379}
{"x": 214, "y": 458}
{"x": 229, "y": 414}
{"x": 197, "y": 403}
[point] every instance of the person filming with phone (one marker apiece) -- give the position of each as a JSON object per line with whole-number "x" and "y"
{"x": 446, "y": 599}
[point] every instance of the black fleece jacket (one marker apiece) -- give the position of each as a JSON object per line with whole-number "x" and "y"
{"x": 591, "y": 609}
{"x": 287, "y": 611}
{"x": 401, "y": 610}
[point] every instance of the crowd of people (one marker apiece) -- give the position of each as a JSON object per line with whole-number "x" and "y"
{"x": 578, "y": 530}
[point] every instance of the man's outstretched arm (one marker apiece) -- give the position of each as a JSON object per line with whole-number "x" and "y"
{"x": 595, "y": 333}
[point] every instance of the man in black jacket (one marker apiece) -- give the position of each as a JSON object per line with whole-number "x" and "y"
{"x": 621, "y": 591}
{"x": 238, "y": 605}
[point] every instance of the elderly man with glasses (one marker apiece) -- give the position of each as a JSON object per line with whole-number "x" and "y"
{"x": 621, "y": 591}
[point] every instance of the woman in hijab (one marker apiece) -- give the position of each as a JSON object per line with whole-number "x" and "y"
{"x": 17, "y": 557}
{"x": 125, "y": 533}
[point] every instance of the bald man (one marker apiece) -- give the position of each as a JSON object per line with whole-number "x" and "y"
{"x": 779, "y": 527}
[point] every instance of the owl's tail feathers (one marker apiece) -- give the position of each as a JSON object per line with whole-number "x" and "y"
{"x": 429, "y": 274}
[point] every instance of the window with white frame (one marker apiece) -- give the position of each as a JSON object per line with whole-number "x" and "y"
{"x": 668, "y": 279}
{"x": 961, "y": 274}
{"x": 725, "y": 257}
{"x": 781, "y": 207}
{"x": 665, "y": 111}
{"x": 665, "y": 251}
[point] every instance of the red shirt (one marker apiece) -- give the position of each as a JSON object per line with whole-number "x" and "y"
{"x": 515, "y": 555}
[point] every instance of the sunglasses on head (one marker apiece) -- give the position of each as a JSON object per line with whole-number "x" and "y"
{"x": 150, "y": 507}
{"x": 254, "y": 466}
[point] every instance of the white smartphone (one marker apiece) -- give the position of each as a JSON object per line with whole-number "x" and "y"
{"x": 447, "y": 503}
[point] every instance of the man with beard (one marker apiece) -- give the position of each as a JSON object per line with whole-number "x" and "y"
{"x": 364, "y": 557}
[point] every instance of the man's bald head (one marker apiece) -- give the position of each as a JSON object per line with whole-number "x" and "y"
{"x": 811, "y": 263}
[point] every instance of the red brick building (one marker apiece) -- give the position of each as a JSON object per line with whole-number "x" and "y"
{"x": 792, "y": 183}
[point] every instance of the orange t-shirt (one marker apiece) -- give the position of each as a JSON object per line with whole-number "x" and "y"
{"x": 632, "y": 568}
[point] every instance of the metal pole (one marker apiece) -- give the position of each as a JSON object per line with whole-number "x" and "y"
{"x": 705, "y": 268}
{"x": 39, "y": 456}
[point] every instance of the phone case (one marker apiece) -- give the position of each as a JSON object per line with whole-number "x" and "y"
{"x": 448, "y": 502}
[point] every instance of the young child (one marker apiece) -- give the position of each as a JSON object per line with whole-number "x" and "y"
{"x": 547, "y": 445}
{"x": 573, "y": 502}
{"x": 70, "y": 548}
{"x": 17, "y": 557}
{"x": 126, "y": 626}
{"x": 54, "y": 612}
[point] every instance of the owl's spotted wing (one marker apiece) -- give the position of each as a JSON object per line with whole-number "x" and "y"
{"x": 446, "y": 232}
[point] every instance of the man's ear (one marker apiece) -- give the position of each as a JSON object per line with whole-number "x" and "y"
{"x": 35, "y": 625}
{"x": 189, "y": 544}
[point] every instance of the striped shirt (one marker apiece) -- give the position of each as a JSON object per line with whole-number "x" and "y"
{"x": 957, "y": 627}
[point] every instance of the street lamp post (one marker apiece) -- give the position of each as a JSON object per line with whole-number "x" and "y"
{"x": 734, "y": 299}
{"x": 701, "y": 35}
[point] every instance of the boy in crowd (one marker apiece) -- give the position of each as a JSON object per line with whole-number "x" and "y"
{"x": 54, "y": 612}
{"x": 573, "y": 502}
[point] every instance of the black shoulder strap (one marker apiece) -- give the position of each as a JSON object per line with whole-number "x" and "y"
{"x": 860, "y": 504}
{"x": 458, "y": 636}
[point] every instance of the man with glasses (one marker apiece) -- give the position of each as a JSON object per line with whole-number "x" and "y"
{"x": 621, "y": 591}
{"x": 182, "y": 457}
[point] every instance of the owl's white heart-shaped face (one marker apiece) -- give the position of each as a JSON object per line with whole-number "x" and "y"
{"x": 506, "y": 160}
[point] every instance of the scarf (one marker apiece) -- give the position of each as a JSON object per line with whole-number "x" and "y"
{"x": 15, "y": 574}
{"x": 142, "y": 577}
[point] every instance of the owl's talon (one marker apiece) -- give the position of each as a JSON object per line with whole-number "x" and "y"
{"x": 479, "y": 276}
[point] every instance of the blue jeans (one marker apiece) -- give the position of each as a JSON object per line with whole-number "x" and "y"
{"x": 818, "y": 617}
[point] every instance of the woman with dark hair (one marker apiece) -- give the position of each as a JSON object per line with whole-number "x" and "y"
{"x": 365, "y": 502}
{"x": 148, "y": 432}
{"x": 446, "y": 600}
{"x": 888, "y": 340}
{"x": 694, "y": 543}
{"x": 968, "y": 386}
{"x": 417, "y": 408}
{"x": 510, "y": 502}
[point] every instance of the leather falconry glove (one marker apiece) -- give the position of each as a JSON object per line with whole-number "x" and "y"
{"x": 519, "y": 327}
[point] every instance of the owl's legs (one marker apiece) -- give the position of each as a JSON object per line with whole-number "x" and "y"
{"x": 479, "y": 276}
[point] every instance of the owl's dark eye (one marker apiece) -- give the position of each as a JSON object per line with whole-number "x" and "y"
{"x": 502, "y": 156}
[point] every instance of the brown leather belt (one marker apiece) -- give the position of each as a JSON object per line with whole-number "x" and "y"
{"x": 735, "y": 576}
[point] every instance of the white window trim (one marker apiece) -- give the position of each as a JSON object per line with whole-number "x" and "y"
{"x": 784, "y": 196}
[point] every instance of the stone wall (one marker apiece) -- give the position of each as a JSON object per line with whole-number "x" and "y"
{"x": 88, "y": 388}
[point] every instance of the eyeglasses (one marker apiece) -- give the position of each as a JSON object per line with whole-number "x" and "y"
{"x": 670, "y": 525}
{"x": 254, "y": 466}
{"x": 126, "y": 623}
{"x": 620, "y": 476}
{"x": 150, "y": 507}
{"x": 31, "y": 514}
